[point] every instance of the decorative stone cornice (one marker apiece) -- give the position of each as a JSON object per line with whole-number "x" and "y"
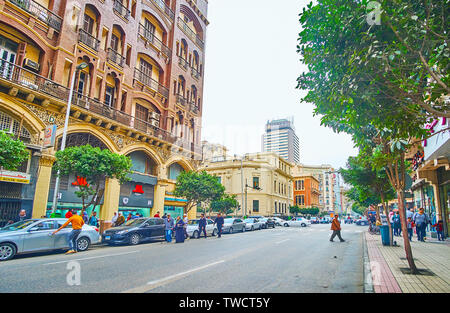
{"x": 47, "y": 160}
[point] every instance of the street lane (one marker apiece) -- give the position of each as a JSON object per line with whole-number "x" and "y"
{"x": 273, "y": 260}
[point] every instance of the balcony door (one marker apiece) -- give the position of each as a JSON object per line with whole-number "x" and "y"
{"x": 149, "y": 31}
{"x": 88, "y": 25}
{"x": 146, "y": 70}
{"x": 141, "y": 117}
{"x": 7, "y": 58}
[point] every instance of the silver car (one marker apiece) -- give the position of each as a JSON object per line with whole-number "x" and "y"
{"x": 34, "y": 235}
{"x": 193, "y": 231}
{"x": 253, "y": 224}
{"x": 232, "y": 225}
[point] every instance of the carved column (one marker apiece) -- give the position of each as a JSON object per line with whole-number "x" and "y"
{"x": 43, "y": 185}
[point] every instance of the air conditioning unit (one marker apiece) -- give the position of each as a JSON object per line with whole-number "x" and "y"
{"x": 154, "y": 115}
{"x": 27, "y": 63}
{"x": 154, "y": 123}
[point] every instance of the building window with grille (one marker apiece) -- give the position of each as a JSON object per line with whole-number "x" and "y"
{"x": 300, "y": 200}
{"x": 255, "y": 205}
{"x": 255, "y": 182}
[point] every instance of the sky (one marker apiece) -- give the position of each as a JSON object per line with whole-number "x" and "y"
{"x": 251, "y": 67}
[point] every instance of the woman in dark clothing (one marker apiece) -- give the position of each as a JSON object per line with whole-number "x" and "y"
{"x": 179, "y": 230}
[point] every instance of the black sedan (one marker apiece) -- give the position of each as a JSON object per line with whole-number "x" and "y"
{"x": 268, "y": 222}
{"x": 135, "y": 231}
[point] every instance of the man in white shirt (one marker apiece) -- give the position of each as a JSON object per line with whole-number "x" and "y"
{"x": 185, "y": 220}
{"x": 114, "y": 219}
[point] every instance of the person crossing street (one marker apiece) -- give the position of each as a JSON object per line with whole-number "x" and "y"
{"x": 202, "y": 225}
{"x": 77, "y": 224}
{"x": 219, "y": 222}
{"x": 336, "y": 228}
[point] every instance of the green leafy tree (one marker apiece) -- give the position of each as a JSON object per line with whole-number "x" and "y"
{"x": 309, "y": 211}
{"x": 198, "y": 188}
{"x": 294, "y": 209}
{"x": 92, "y": 166}
{"x": 225, "y": 205}
{"x": 12, "y": 152}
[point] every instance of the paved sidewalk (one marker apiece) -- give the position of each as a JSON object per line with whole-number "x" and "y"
{"x": 386, "y": 262}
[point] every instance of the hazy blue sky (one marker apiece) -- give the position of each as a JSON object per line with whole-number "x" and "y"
{"x": 250, "y": 77}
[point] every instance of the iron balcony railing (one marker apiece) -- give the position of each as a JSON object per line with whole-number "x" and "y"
{"x": 180, "y": 100}
{"x": 165, "y": 8}
{"x": 155, "y": 42}
{"x": 183, "y": 63}
{"x": 150, "y": 82}
{"x": 195, "y": 73}
{"x": 194, "y": 37}
{"x": 41, "y": 13}
{"x": 115, "y": 57}
{"x": 121, "y": 9}
{"x": 193, "y": 107}
{"x": 87, "y": 39}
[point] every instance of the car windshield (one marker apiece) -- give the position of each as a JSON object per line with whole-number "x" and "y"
{"x": 135, "y": 222}
{"x": 228, "y": 221}
{"x": 18, "y": 226}
{"x": 249, "y": 220}
{"x": 193, "y": 222}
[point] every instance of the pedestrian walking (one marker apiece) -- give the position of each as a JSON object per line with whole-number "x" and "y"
{"x": 336, "y": 228}
{"x": 410, "y": 213}
{"x": 114, "y": 219}
{"x": 409, "y": 226}
{"x": 93, "y": 220}
{"x": 179, "y": 230}
{"x": 397, "y": 224}
{"x": 439, "y": 230}
{"x": 84, "y": 216}
{"x": 157, "y": 214}
{"x": 69, "y": 213}
{"x": 77, "y": 224}
{"x": 421, "y": 220}
{"x": 202, "y": 225}
{"x": 219, "y": 222}
{"x": 168, "y": 228}
{"x": 164, "y": 216}
{"x": 185, "y": 220}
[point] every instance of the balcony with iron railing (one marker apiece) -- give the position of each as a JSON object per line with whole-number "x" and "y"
{"x": 180, "y": 100}
{"x": 159, "y": 46}
{"x": 165, "y": 8}
{"x": 120, "y": 9}
{"x": 183, "y": 63}
{"x": 41, "y": 13}
{"x": 151, "y": 83}
{"x": 15, "y": 77}
{"x": 190, "y": 33}
{"x": 115, "y": 57}
{"x": 195, "y": 73}
{"x": 88, "y": 40}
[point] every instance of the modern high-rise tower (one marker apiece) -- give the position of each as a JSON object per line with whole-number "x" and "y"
{"x": 280, "y": 138}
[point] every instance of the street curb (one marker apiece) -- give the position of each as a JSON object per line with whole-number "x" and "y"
{"x": 368, "y": 283}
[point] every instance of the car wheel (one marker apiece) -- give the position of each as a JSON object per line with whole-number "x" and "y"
{"x": 303, "y": 225}
{"x": 231, "y": 230}
{"x": 286, "y": 225}
{"x": 134, "y": 239}
{"x": 213, "y": 233}
{"x": 83, "y": 244}
{"x": 196, "y": 234}
{"x": 7, "y": 251}
{"x": 252, "y": 229}
{"x": 243, "y": 229}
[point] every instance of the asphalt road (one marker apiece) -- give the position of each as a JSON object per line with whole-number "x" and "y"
{"x": 274, "y": 260}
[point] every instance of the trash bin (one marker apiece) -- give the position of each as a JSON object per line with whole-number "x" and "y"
{"x": 384, "y": 230}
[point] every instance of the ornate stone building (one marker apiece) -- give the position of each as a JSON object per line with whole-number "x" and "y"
{"x": 139, "y": 95}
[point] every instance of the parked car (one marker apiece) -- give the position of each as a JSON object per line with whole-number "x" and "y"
{"x": 314, "y": 220}
{"x": 295, "y": 222}
{"x": 268, "y": 222}
{"x": 362, "y": 222}
{"x": 325, "y": 220}
{"x": 348, "y": 220}
{"x": 278, "y": 221}
{"x": 253, "y": 224}
{"x": 34, "y": 235}
{"x": 194, "y": 232}
{"x": 135, "y": 231}
{"x": 232, "y": 225}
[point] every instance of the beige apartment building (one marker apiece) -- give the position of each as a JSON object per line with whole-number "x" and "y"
{"x": 261, "y": 182}
{"x": 324, "y": 174}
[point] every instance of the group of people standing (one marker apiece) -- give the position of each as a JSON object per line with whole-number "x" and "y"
{"x": 92, "y": 220}
{"x": 179, "y": 226}
{"x": 418, "y": 221}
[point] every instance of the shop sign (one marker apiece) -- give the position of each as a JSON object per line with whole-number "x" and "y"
{"x": 15, "y": 177}
{"x": 49, "y": 136}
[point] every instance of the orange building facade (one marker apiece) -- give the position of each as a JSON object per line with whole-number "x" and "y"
{"x": 306, "y": 191}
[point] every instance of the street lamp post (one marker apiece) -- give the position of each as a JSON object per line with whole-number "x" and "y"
{"x": 66, "y": 124}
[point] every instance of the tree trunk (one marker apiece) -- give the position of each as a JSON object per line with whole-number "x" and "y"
{"x": 408, "y": 251}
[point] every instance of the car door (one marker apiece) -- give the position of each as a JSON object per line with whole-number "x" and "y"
{"x": 238, "y": 224}
{"x": 62, "y": 237}
{"x": 160, "y": 227}
{"x": 209, "y": 227}
{"x": 38, "y": 237}
{"x": 147, "y": 229}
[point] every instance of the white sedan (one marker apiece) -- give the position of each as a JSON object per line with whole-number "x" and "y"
{"x": 278, "y": 221}
{"x": 193, "y": 230}
{"x": 297, "y": 222}
{"x": 253, "y": 224}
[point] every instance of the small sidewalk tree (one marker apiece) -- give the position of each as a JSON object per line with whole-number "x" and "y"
{"x": 198, "y": 188}
{"x": 225, "y": 205}
{"x": 12, "y": 152}
{"x": 92, "y": 166}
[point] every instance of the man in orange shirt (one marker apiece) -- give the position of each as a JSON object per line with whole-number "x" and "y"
{"x": 77, "y": 224}
{"x": 336, "y": 228}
